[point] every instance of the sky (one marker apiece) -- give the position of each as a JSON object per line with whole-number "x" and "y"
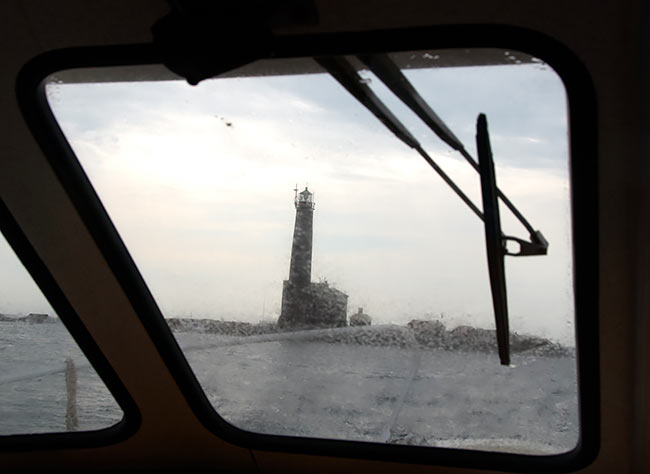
{"x": 199, "y": 183}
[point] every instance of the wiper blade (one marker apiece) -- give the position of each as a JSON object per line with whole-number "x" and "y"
{"x": 382, "y": 66}
{"x": 494, "y": 242}
{"x": 347, "y": 76}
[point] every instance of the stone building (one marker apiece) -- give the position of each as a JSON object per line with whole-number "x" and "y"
{"x": 360, "y": 319}
{"x": 306, "y": 304}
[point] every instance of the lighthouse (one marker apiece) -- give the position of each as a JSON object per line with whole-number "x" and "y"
{"x": 303, "y": 229}
{"x": 305, "y": 304}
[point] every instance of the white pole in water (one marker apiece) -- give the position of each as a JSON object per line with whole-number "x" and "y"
{"x": 71, "y": 420}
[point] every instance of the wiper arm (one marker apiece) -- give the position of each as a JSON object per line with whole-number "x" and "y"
{"x": 390, "y": 74}
{"x": 347, "y": 76}
{"x": 382, "y": 66}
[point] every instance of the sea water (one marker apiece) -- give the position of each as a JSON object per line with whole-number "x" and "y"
{"x": 427, "y": 397}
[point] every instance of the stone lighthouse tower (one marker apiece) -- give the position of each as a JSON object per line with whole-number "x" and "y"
{"x": 300, "y": 268}
{"x": 306, "y": 304}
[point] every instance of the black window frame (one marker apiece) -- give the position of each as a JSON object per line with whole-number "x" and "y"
{"x": 30, "y": 90}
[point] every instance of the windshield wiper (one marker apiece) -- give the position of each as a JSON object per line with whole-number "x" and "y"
{"x": 494, "y": 242}
{"x": 382, "y": 67}
{"x": 389, "y": 73}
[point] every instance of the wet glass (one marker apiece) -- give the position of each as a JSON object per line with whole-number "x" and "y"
{"x": 362, "y": 310}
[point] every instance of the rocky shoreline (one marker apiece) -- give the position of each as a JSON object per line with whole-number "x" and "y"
{"x": 426, "y": 334}
{"x": 421, "y": 333}
{"x": 32, "y": 318}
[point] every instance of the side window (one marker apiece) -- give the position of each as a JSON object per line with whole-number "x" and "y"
{"x": 321, "y": 278}
{"x": 46, "y": 383}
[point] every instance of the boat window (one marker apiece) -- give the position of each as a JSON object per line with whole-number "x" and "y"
{"x": 46, "y": 383}
{"x": 321, "y": 278}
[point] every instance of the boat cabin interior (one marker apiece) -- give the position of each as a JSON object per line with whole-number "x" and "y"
{"x": 551, "y": 107}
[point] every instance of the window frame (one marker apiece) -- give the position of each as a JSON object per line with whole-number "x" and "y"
{"x": 131, "y": 420}
{"x": 30, "y": 90}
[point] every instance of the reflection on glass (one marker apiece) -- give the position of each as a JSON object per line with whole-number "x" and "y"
{"x": 46, "y": 383}
{"x": 322, "y": 280}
